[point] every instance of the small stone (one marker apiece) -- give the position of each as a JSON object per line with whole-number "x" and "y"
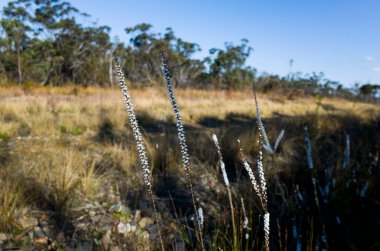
{"x": 61, "y": 237}
{"x": 138, "y": 215}
{"x": 85, "y": 246}
{"x": 130, "y": 228}
{"x": 145, "y": 235}
{"x": 3, "y": 237}
{"x": 146, "y": 221}
{"x": 39, "y": 242}
{"x": 38, "y": 233}
{"x": 28, "y": 222}
{"x": 121, "y": 228}
{"x": 106, "y": 240}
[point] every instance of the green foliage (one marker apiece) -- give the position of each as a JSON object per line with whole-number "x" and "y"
{"x": 63, "y": 128}
{"x": 143, "y": 61}
{"x": 228, "y": 69}
{"x": 3, "y": 135}
{"x": 77, "y": 131}
{"x": 369, "y": 90}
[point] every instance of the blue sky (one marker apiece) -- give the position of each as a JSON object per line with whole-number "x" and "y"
{"x": 338, "y": 37}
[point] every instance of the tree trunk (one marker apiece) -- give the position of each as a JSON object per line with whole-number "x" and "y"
{"x": 110, "y": 70}
{"x": 19, "y": 65}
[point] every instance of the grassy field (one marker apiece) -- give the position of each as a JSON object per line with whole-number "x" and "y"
{"x": 71, "y": 179}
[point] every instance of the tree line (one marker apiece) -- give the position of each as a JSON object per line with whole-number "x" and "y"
{"x": 42, "y": 41}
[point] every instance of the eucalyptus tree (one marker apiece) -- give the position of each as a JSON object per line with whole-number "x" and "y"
{"x": 15, "y": 24}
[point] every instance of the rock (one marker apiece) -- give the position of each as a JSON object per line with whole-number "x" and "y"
{"x": 146, "y": 221}
{"x": 28, "y": 222}
{"x": 44, "y": 223}
{"x": 81, "y": 226}
{"x": 145, "y": 235}
{"x": 3, "y": 238}
{"x": 37, "y": 233}
{"x": 138, "y": 215}
{"x": 121, "y": 228}
{"x": 85, "y": 246}
{"x": 61, "y": 237}
{"x": 39, "y": 242}
{"x": 106, "y": 240}
{"x": 131, "y": 228}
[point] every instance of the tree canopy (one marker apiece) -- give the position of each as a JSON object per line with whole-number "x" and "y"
{"x": 42, "y": 41}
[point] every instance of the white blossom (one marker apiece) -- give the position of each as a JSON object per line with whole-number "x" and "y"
{"x": 308, "y": 148}
{"x": 252, "y": 178}
{"x": 346, "y": 155}
{"x": 222, "y": 165}
{"x": 142, "y": 155}
{"x": 245, "y": 222}
{"x": 263, "y": 185}
{"x": 200, "y": 216}
{"x": 266, "y": 229}
{"x": 141, "y": 151}
{"x": 363, "y": 190}
{"x": 279, "y": 137}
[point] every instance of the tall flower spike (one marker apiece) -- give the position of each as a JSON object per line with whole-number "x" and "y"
{"x": 263, "y": 187}
{"x": 250, "y": 174}
{"x": 222, "y": 165}
{"x": 260, "y": 167}
{"x": 311, "y": 166}
{"x": 260, "y": 124}
{"x": 142, "y": 154}
{"x": 279, "y": 137}
{"x": 201, "y": 217}
{"x": 346, "y": 155}
{"x": 225, "y": 178}
{"x": 181, "y": 138}
{"x": 308, "y": 148}
{"x": 245, "y": 221}
{"x": 266, "y": 230}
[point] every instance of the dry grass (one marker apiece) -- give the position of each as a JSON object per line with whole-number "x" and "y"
{"x": 68, "y": 146}
{"x": 51, "y": 112}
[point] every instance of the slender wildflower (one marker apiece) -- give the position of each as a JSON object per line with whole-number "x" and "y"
{"x": 308, "y": 148}
{"x": 245, "y": 221}
{"x": 310, "y": 164}
{"x": 260, "y": 124}
{"x": 363, "y": 190}
{"x": 142, "y": 154}
{"x": 324, "y": 239}
{"x": 260, "y": 188}
{"x": 279, "y": 137}
{"x": 263, "y": 188}
{"x": 250, "y": 174}
{"x": 346, "y": 155}
{"x": 266, "y": 229}
{"x": 263, "y": 185}
{"x": 313, "y": 178}
{"x": 297, "y": 237}
{"x": 201, "y": 217}
{"x": 181, "y": 138}
{"x": 222, "y": 165}
{"x": 227, "y": 183}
